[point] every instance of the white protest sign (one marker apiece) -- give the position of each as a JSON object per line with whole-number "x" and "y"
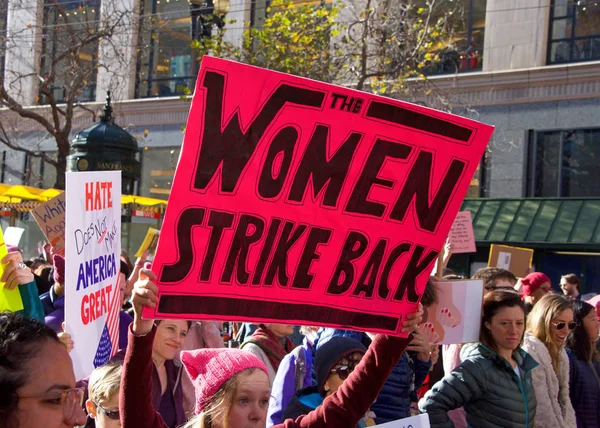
{"x": 93, "y": 248}
{"x": 455, "y": 318}
{"x": 12, "y": 235}
{"x": 421, "y": 421}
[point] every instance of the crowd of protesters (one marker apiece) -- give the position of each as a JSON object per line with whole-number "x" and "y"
{"x": 535, "y": 364}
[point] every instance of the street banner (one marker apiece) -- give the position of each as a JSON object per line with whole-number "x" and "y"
{"x": 92, "y": 264}
{"x": 515, "y": 259}
{"x": 300, "y": 202}
{"x": 461, "y": 234}
{"x": 50, "y": 217}
{"x": 455, "y": 318}
{"x": 421, "y": 421}
{"x": 10, "y": 300}
{"x": 149, "y": 243}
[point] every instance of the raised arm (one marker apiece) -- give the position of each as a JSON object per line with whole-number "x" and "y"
{"x": 135, "y": 396}
{"x": 356, "y": 395}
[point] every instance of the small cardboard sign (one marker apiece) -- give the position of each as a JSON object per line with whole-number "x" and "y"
{"x": 50, "y": 217}
{"x": 461, "y": 234}
{"x": 301, "y": 202}
{"x": 455, "y": 318}
{"x": 515, "y": 259}
{"x": 420, "y": 421}
{"x": 149, "y": 243}
{"x": 10, "y": 300}
{"x": 13, "y": 235}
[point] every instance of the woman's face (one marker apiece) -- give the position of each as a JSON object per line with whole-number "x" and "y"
{"x": 250, "y": 400}
{"x": 507, "y": 327}
{"x": 540, "y": 292}
{"x": 281, "y": 330}
{"x": 40, "y": 401}
{"x": 559, "y": 327}
{"x": 592, "y": 326}
{"x": 169, "y": 338}
{"x": 341, "y": 371}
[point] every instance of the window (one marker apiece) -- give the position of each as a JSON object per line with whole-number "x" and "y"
{"x": 158, "y": 169}
{"x": 67, "y": 24}
{"x": 574, "y": 31}
{"x": 39, "y": 173}
{"x": 564, "y": 163}
{"x": 164, "y": 53}
{"x": 462, "y": 51}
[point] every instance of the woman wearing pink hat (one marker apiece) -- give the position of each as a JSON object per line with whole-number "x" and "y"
{"x": 535, "y": 286}
{"x": 232, "y": 386}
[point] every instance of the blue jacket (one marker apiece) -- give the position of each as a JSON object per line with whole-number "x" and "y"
{"x": 399, "y": 390}
{"x": 489, "y": 389}
{"x": 584, "y": 390}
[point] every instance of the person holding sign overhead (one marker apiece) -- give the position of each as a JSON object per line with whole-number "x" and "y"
{"x": 493, "y": 383}
{"x": 232, "y": 386}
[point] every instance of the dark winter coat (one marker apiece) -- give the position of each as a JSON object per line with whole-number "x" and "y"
{"x": 488, "y": 388}
{"x": 302, "y": 403}
{"x": 584, "y": 390}
{"x": 399, "y": 390}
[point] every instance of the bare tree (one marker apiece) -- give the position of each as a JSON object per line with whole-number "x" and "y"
{"x": 52, "y": 63}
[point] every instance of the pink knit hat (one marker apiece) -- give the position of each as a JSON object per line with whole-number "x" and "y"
{"x": 59, "y": 269}
{"x": 210, "y": 368}
{"x": 533, "y": 281}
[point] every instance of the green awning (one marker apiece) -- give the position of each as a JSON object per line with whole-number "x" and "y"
{"x": 571, "y": 224}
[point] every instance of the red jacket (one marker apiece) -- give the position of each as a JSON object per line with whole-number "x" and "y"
{"x": 342, "y": 409}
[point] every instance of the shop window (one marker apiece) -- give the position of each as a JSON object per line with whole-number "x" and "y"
{"x": 158, "y": 170}
{"x": 66, "y": 24}
{"x": 164, "y": 52}
{"x": 574, "y": 33}
{"x": 464, "y": 23}
{"x": 564, "y": 163}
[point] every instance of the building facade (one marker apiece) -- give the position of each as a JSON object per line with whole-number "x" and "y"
{"x": 531, "y": 68}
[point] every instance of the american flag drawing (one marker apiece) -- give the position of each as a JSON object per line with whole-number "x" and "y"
{"x": 109, "y": 341}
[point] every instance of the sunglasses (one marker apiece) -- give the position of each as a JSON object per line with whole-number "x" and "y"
{"x": 343, "y": 371}
{"x": 561, "y": 324}
{"x": 114, "y": 414}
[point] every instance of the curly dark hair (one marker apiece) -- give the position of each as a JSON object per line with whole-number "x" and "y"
{"x": 20, "y": 340}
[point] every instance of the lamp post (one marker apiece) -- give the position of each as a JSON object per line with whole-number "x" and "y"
{"x": 106, "y": 147}
{"x": 204, "y": 15}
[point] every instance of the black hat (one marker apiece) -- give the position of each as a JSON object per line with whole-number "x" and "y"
{"x": 330, "y": 353}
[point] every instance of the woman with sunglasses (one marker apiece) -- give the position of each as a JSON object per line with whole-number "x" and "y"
{"x": 37, "y": 383}
{"x": 334, "y": 362}
{"x": 584, "y": 366}
{"x": 548, "y": 326}
{"x": 493, "y": 382}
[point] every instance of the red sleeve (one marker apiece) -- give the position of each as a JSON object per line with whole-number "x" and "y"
{"x": 349, "y": 404}
{"x": 135, "y": 396}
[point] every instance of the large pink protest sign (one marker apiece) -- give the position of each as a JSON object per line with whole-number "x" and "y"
{"x": 302, "y": 202}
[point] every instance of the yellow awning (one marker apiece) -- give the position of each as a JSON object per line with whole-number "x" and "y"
{"x": 17, "y": 193}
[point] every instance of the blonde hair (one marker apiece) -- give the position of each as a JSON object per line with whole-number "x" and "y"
{"x": 218, "y": 408}
{"x": 539, "y": 321}
{"x": 105, "y": 382}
